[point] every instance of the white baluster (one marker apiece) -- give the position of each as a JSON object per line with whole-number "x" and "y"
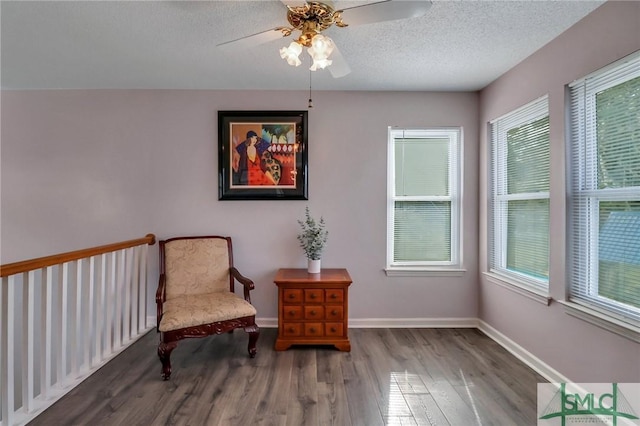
{"x": 142, "y": 284}
{"x": 135, "y": 285}
{"x": 88, "y": 313}
{"x": 76, "y": 320}
{"x": 117, "y": 340}
{"x": 28, "y": 309}
{"x": 111, "y": 294}
{"x": 63, "y": 302}
{"x": 126, "y": 292}
{"x": 100, "y": 311}
{"x": 46, "y": 327}
{"x": 6, "y": 343}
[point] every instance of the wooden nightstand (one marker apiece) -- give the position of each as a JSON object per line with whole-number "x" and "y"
{"x": 313, "y": 308}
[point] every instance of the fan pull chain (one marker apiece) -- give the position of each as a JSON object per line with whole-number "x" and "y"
{"x": 310, "y": 100}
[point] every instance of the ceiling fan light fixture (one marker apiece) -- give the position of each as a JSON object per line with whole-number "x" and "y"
{"x": 291, "y": 54}
{"x": 322, "y": 45}
{"x": 320, "y": 64}
{"x": 321, "y": 48}
{"x": 312, "y": 17}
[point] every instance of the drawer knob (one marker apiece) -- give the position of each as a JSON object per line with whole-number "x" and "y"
{"x": 292, "y": 313}
{"x": 312, "y": 329}
{"x": 292, "y": 296}
{"x": 313, "y": 295}
{"x": 333, "y": 329}
{"x": 291, "y": 330}
{"x": 334, "y": 312}
{"x": 334, "y": 296}
{"x": 312, "y": 312}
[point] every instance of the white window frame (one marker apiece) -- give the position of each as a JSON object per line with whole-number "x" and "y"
{"x": 452, "y": 267}
{"x": 582, "y": 299}
{"x": 498, "y": 271}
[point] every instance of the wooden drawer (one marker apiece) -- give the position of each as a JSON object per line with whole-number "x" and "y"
{"x": 314, "y": 295}
{"x": 292, "y": 295}
{"x": 334, "y": 313}
{"x": 334, "y": 295}
{"x": 313, "y": 329}
{"x": 292, "y": 312}
{"x": 292, "y": 329}
{"x": 333, "y": 329}
{"x": 313, "y": 312}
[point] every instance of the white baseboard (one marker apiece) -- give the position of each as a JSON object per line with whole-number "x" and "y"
{"x": 413, "y": 323}
{"x": 522, "y": 354}
{"x": 393, "y": 323}
{"x": 267, "y": 322}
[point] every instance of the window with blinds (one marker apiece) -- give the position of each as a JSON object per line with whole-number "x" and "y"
{"x": 604, "y": 198}
{"x": 423, "y": 190}
{"x": 519, "y": 239}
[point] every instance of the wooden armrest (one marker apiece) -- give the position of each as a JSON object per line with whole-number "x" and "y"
{"x": 246, "y": 282}
{"x": 242, "y": 279}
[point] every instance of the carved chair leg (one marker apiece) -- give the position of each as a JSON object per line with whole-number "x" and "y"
{"x": 254, "y": 333}
{"x": 164, "y": 353}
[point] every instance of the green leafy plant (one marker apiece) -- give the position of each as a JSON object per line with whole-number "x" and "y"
{"x": 313, "y": 236}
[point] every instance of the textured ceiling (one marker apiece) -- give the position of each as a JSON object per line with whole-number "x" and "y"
{"x": 457, "y": 45}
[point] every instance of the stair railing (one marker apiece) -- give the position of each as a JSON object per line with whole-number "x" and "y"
{"x": 64, "y": 316}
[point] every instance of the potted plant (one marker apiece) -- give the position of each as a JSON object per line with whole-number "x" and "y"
{"x": 312, "y": 240}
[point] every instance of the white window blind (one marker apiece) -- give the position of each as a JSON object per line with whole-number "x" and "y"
{"x": 519, "y": 240}
{"x": 423, "y": 179}
{"x": 604, "y": 207}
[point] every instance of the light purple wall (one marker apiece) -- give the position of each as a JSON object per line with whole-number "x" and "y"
{"x": 90, "y": 167}
{"x": 582, "y": 352}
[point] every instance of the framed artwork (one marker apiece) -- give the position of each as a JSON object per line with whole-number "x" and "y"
{"x": 262, "y": 155}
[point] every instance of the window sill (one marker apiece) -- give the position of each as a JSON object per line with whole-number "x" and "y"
{"x": 601, "y": 320}
{"x": 424, "y": 272}
{"x": 532, "y": 293}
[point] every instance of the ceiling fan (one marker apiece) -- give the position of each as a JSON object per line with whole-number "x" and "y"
{"x": 313, "y": 17}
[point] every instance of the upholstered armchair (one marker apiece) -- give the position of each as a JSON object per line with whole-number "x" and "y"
{"x": 196, "y": 294}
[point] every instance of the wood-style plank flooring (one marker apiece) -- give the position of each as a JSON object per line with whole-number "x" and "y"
{"x": 456, "y": 377}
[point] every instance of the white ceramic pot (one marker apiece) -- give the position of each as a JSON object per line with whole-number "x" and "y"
{"x": 313, "y": 266}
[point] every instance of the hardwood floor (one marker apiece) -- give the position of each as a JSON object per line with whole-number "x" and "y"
{"x": 455, "y": 377}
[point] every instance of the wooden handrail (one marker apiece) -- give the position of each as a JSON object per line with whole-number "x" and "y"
{"x": 43, "y": 262}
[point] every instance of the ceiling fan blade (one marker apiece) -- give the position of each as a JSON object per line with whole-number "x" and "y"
{"x": 259, "y": 38}
{"x": 387, "y": 10}
{"x": 251, "y": 40}
{"x": 339, "y": 66}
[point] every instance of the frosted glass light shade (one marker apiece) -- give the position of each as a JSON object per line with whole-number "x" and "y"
{"x": 291, "y": 54}
{"x": 321, "y": 48}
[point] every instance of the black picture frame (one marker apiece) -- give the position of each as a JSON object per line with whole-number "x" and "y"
{"x": 274, "y": 166}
